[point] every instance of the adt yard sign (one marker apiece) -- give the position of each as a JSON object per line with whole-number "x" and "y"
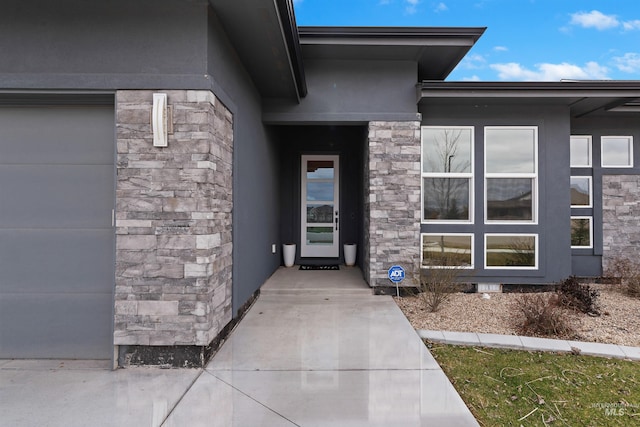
{"x": 396, "y": 274}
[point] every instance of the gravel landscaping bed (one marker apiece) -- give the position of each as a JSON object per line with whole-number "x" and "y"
{"x": 619, "y": 322}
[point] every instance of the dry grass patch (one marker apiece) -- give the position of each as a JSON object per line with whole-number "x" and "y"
{"x": 519, "y": 388}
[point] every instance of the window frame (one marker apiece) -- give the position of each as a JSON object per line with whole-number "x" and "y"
{"x": 590, "y": 218}
{"x": 463, "y": 175}
{"x": 465, "y": 267}
{"x": 530, "y": 175}
{"x": 589, "y": 140}
{"x": 629, "y": 139}
{"x": 590, "y": 179}
{"x": 536, "y": 265}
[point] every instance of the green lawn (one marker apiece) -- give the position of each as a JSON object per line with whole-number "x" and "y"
{"x": 520, "y": 388}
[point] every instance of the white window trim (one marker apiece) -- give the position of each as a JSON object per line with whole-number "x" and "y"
{"x": 590, "y": 144}
{"x": 470, "y": 267}
{"x": 534, "y": 176}
{"x": 468, "y": 175}
{"x": 628, "y": 138}
{"x": 493, "y": 267}
{"x": 590, "y": 218}
{"x": 590, "y": 205}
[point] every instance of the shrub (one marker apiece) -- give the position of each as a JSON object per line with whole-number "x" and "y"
{"x": 542, "y": 314}
{"x": 437, "y": 284}
{"x": 577, "y": 296}
{"x": 628, "y": 272}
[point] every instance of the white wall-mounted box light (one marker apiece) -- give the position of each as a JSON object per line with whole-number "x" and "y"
{"x": 159, "y": 121}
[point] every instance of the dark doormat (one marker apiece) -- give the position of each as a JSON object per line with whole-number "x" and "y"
{"x": 319, "y": 267}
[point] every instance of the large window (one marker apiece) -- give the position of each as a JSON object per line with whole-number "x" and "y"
{"x": 447, "y": 174}
{"x": 447, "y": 250}
{"x": 516, "y": 251}
{"x": 617, "y": 151}
{"x": 511, "y": 172}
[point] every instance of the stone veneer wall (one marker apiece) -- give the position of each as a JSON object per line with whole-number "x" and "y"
{"x": 173, "y": 221}
{"x": 620, "y": 214}
{"x": 392, "y": 204}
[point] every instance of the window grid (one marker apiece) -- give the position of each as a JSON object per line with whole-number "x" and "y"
{"x": 448, "y": 176}
{"x": 533, "y": 176}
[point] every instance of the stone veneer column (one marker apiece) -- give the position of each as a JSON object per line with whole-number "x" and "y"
{"x": 620, "y": 213}
{"x": 173, "y": 221}
{"x": 392, "y": 204}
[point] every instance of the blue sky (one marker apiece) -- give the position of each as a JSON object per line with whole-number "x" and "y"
{"x": 525, "y": 40}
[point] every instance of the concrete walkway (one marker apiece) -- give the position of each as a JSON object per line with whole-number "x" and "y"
{"x": 316, "y": 349}
{"x": 532, "y": 344}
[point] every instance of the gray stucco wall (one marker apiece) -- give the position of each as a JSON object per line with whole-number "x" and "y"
{"x": 158, "y": 45}
{"x": 341, "y": 91}
{"x": 255, "y": 171}
{"x": 614, "y": 195}
{"x": 554, "y": 212}
{"x": 72, "y": 44}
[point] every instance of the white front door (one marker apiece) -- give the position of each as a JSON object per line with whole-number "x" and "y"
{"x": 319, "y": 207}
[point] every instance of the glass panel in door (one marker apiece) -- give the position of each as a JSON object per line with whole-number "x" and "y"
{"x": 319, "y": 213}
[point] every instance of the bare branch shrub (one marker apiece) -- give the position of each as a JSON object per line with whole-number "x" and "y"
{"x": 438, "y": 283}
{"x": 577, "y": 296}
{"x": 542, "y": 314}
{"x": 628, "y": 272}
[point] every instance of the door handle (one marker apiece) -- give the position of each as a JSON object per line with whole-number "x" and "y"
{"x": 336, "y": 220}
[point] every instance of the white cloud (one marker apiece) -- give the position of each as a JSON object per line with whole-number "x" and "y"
{"x": 473, "y": 61}
{"x": 594, "y": 19}
{"x": 631, "y": 25}
{"x": 501, "y": 48}
{"x": 629, "y": 62}
{"x": 412, "y": 6}
{"x": 551, "y": 72}
{"x": 473, "y": 78}
{"x": 440, "y": 7}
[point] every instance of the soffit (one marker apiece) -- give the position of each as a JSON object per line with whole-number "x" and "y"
{"x": 437, "y": 50}
{"x": 263, "y": 33}
{"x": 582, "y": 97}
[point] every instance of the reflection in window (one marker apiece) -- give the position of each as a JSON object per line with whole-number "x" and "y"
{"x": 580, "y": 150}
{"x": 511, "y": 251}
{"x": 447, "y": 172}
{"x": 446, "y": 198}
{"x": 510, "y": 150}
{"x": 446, "y": 150}
{"x": 581, "y": 191}
{"x": 617, "y": 151}
{"x": 320, "y": 235}
{"x": 441, "y": 250}
{"x": 320, "y": 169}
{"x": 509, "y": 199}
{"x": 581, "y": 232}
{"x": 319, "y": 213}
{"x": 511, "y": 173}
{"x": 319, "y": 191}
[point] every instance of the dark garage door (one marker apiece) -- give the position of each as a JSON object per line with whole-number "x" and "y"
{"x": 56, "y": 234}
